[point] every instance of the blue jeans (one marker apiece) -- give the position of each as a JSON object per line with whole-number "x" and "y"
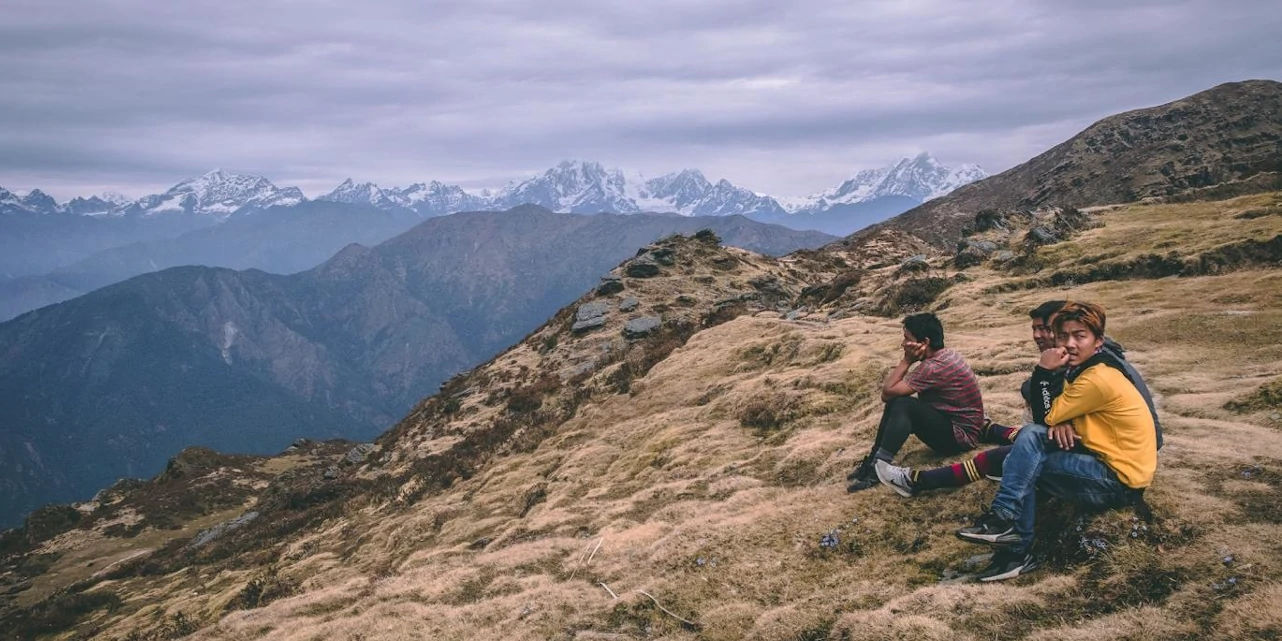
{"x": 1036, "y": 463}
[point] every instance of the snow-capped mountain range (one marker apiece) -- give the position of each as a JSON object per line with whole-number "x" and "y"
{"x": 573, "y": 186}
{"x": 921, "y": 179}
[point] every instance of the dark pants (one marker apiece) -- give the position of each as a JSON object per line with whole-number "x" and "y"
{"x": 1036, "y": 462}
{"x": 905, "y": 416}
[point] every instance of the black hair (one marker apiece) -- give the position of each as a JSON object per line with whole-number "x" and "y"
{"x": 1044, "y": 311}
{"x": 926, "y": 326}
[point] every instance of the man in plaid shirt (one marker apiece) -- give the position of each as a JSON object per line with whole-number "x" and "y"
{"x": 947, "y": 413}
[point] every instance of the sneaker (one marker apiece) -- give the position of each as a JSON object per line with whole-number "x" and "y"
{"x": 863, "y": 477}
{"x": 861, "y": 471}
{"x": 1007, "y": 564}
{"x": 991, "y": 529}
{"x": 899, "y": 479}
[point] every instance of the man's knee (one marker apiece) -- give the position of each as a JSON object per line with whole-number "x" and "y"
{"x": 1033, "y": 435}
{"x": 900, "y": 404}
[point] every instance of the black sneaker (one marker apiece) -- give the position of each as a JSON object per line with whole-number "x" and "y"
{"x": 991, "y": 529}
{"x": 1007, "y": 564}
{"x": 863, "y": 470}
{"x": 864, "y": 476}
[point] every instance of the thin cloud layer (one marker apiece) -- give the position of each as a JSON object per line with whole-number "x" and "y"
{"x": 787, "y": 100}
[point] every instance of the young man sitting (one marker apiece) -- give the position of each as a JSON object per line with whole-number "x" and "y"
{"x": 947, "y": 414}
{"x": 1100, "y": 451}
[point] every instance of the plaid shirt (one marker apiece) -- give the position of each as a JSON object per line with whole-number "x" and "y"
{"x": 946, "y": 383}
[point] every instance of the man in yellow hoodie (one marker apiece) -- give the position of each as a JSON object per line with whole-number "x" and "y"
{"x": 1100, "y": 449}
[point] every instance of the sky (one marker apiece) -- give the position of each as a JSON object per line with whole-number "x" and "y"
{"x": 782, "y": 98}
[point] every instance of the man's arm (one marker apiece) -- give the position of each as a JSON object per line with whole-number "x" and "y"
{"x": 894, "y": 385}
{"x": 1083, "y": 397}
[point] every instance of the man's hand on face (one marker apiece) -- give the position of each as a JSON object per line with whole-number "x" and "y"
{"x": 1064, "y": 435}
{"x": 1054, "y": 358}
{"x": 914, "y": 352}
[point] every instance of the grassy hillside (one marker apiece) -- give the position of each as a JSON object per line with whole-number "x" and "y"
{"x": 696, "y": 473}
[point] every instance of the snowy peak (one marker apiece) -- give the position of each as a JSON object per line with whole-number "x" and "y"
{"x": 917, "y": 178}
{"x": 92, "y": 206}
{"x": 920, "y": 178}
{"x": 437, "y": 199}
{"x": 35, "y": 202}
{"x": 40, "y": 202}
{"x": 218, "y": 193}
{"x": 362, "y": 194}
{"x": 681, "y": 190}
{"x": 573, "y": 186}
{"x": 9, "y": 200}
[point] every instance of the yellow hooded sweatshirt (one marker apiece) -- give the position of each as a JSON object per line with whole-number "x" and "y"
{"x": 1113, "y": 421}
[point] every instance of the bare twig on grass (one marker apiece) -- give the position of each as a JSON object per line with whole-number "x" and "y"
{"x": 589, "y": 559}
{"x": 670, "y": 613}
{"x": 607, "y": 589}
{"x": 598, "y": 547}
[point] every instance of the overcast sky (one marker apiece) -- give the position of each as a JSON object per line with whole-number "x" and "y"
{"x": 782, "y": 98}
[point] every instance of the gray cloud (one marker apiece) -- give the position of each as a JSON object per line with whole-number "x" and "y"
{"x": 781, "y": 98}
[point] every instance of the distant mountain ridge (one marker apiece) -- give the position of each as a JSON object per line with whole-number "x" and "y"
{"x": 572, "y": 186}
{"x": 921, "y": 178}
{"x": 113, "y": 382}
{"x": 1228, "y": 137}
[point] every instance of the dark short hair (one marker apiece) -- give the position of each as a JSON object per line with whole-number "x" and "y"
{"x": 1044, "y": 311}
{"x": 1088, "y": 314}
{"x": 926, "y": 326}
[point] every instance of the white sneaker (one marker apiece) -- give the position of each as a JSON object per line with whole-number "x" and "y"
{"x": 897, "y": 478}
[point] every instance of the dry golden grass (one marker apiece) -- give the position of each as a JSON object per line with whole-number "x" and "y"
{"x": 663, "y": 489}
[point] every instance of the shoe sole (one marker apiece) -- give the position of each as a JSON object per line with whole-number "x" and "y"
{"x": 1011, "y": 573}
{"x": 898, "y": 490}
{"x": 993, "y": 478}
{"x": 1005, "y": 538}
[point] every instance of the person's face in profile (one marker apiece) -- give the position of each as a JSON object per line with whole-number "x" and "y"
{"x": 911, "y": 341}
{"x": 1043, "y": 334}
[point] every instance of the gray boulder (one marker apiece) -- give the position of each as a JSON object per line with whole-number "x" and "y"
{"x": 628, "y": 304}
{"x": 643, "y": 326}
{"x": 610, "y": 284}
{"x": 205, "y": 536}
{"x": 589, "y": 324}
{"x": 973, "y": 254}
{"x": 1039, "y": 235}
{"x": 1003, "y": 256}
{"x": 643, "y": 267}
{"x": 663, "y": 256}
{"x": 590, "y": 316}
{"x": 914, "y": 264}
{"x": 588, "y": 311}
{"x": 359, "y": 453}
